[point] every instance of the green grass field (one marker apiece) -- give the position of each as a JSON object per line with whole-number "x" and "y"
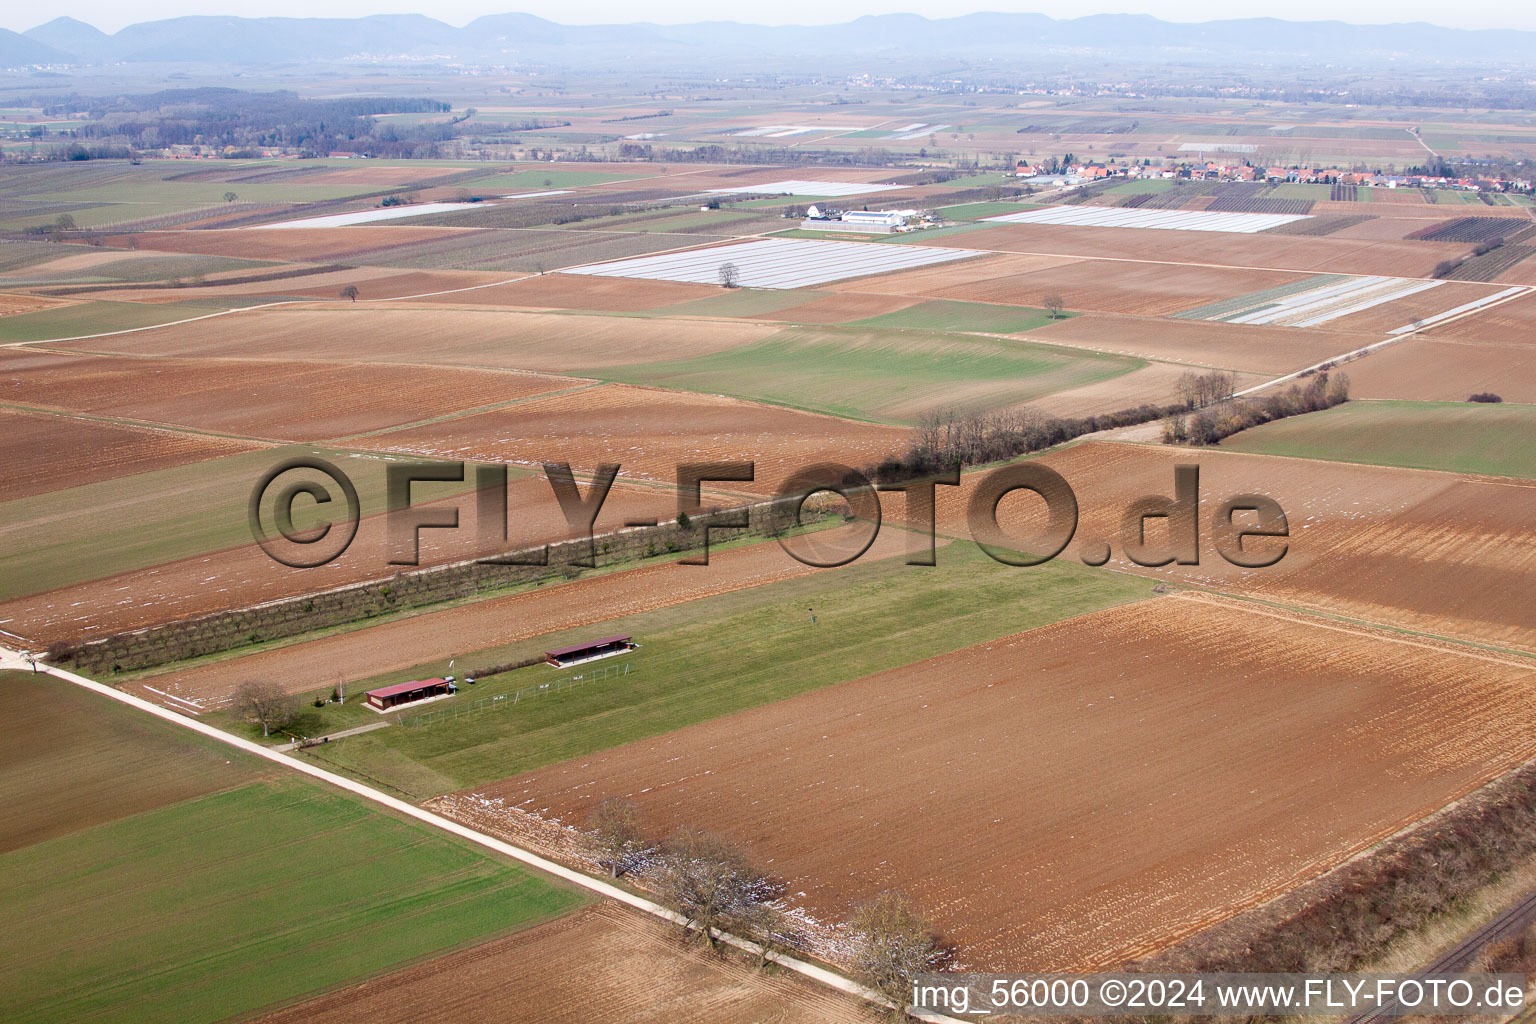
{"x": 1301, "y": 190}
{"x": 15, "y": 257}
{"x": 961, "y": 316}
{"x": 711, "y": 657}
{"x": 1454, "y": 436}
{"x": 884, "y": 375}
{"x": 835, "y": 236}
{"x": 979, "y": 180}
{"x": 1141, "y": 186}
{"x": 84, "y": 318}
{"x": 223, "y": 904}
{"x": 976, "y": 211}
{"x": 91, "y": 214}
{"x": 725, "y": 220}
{"x": 134, "y": 193}
{"x": 538, "y": 180}
{"x": 153, "y": 874}
{"x": 141, "y": 269}
{"x": 743, "y": 302}
{"x": 929, "y": 234}
{"x": 73, "y": 761}
{"x": 83, "y": 533}
{"x": 152, "y": 189}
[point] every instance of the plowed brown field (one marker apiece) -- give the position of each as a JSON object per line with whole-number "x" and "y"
{"x": 262, "y": 399}
{"x": 442, "y": 335}
{"x": 595, "y": 966}
{"x": 1147, "y": 289}
{"x": 571, "y": 291}
{"x": 370, "y": 282}
{"x": 385, "y": 174}
{"x": 1430, "y": 370}
{"x": 402, "y": 643}
{"x": 926, "y": 282}
{"x": 42, "y": 452}
{"x": 1282, "y": 252}
{"x": 1086, "y": 792}
{"x": 1105, "y": 286}
{"x": 1510, "y": 323}
{"x": 840, "y": 309}
{"x": 1442, "y": 553}
{"x": 1269, "y": 350}
{"x": 1490, "y": 351}
{"x": 11, "y": 305}
{"x": 1401, "y": 312}
{"x": 649, "y": 432}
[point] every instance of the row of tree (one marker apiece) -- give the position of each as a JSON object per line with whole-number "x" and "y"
{"x": 716, "y": 888}
{"x": 947, "y": 438}
{"x": 1211, "y": 426}
{"x": 1445, "y": 268}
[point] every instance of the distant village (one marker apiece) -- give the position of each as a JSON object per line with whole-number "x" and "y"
{"x": 1075, "y": 173}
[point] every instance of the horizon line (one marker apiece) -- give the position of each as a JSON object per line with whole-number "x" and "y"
{"x": 782, "y": 25}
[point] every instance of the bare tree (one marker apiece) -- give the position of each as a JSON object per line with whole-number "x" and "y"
{"x": 230, "y": 197}
{"x": 616, "y": 837}
{"x": 264, "y": 703}
{"x": 1054, "y": 304}
{"x": 349, "y": 292}
{"x": 1203, "y": 389}
{"x": 1189, "y": 388}
{"x": 710, "y": 882}
{"x": 895, "y": 943}
{"x": 729, "y": 275}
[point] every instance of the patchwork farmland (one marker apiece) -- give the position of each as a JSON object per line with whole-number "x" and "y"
{"x": 1101, "y": 762}
{"x": 1016, "y": 743}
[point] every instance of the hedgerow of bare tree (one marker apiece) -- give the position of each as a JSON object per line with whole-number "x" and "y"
{"x": 711, "y": 883}
{"x": 1209, "y": 427}
{"x": 263, "y": 703}
{"x": 1201, "y": 389}
{"x": 616, "y": 836}
{"x": 947, "y": 438}
{"x": 896, "y": 942}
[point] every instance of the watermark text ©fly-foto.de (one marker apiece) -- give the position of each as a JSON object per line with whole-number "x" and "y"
{"x": 1248, "y": 530}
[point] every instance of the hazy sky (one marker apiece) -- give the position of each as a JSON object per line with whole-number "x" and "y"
{"x": 111, "y": 15}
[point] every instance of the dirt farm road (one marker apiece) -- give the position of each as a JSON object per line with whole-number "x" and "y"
{"x": 1345, "y": 357}
{"x": 18, "y": 661}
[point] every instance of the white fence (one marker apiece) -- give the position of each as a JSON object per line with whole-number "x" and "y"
{"x": 456, "y": 708}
